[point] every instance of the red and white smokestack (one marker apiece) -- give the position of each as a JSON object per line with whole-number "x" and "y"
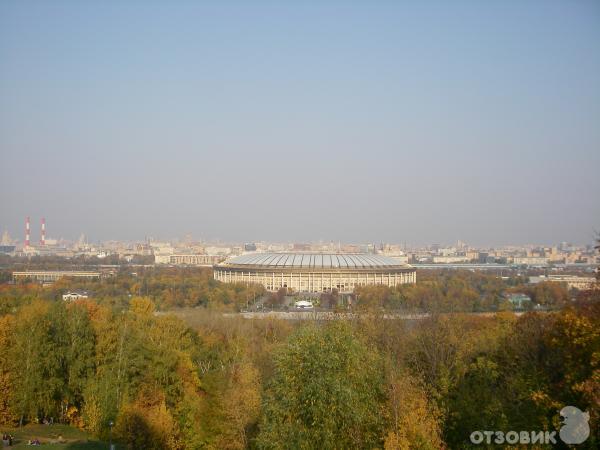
{"x": 27, "y": 232}
{"x": 43, "y": 239}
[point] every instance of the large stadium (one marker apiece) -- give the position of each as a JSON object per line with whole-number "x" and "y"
{"x": 314, "y": 272}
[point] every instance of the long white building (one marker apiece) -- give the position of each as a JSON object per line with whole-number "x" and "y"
{"x": 50, "y": 276}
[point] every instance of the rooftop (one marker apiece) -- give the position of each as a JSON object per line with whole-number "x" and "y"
{"x": 321, "y": 260}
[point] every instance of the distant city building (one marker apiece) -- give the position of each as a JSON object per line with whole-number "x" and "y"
{"x": 162, "y": 253}
{"x": 143, "y": 249}
{"x": 195, "y": 260}
{"x": 485, "y": 258}
{"x": 7, "y": 249}
{"x": 572, "y": 281}
{"x": 530, "y": 261}
{"x": 314, "y": 272}
{"x": 446, "y": 259}
{"x": 301, "y": 247}
{"x": 6, "y": 240}
{"x": 394, "y": 252}
{"x": 250, "y": 247}
{"x": 50, "y": 276}
{"x": 462, "y": 266}
{"x": 223, "y": 251}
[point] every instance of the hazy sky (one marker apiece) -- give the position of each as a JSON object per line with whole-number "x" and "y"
{"x": 363, "y": 121}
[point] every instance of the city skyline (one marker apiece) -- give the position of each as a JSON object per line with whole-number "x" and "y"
{"x": 416, "y": 122}
{"x": 34, "y": 231}
{"x": 299, "y": 224}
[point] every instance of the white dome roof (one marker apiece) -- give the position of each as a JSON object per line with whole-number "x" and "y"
{"x": 315, "y": 260}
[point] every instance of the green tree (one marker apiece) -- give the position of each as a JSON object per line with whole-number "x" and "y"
{"x": 79, "y": 357}
{"x": 39, "y": 360}
{"x": 327, "y": 392}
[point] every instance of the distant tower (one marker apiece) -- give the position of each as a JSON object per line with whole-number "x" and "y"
{"x": 6, "y": 240}
{"x": 27, "y": 232}
{"x": 43, "y": 238}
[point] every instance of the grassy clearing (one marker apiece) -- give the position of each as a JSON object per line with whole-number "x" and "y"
{"x": 54, "y": 436}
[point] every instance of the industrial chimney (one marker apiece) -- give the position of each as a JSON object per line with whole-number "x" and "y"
{"x": 27, "y": 232}
{"x": 43, "y": 238}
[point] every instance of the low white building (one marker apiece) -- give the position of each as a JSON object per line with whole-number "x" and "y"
{"x": 75, "y": 295}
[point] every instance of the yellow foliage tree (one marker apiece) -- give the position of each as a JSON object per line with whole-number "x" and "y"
{"x": 240, "y": 406}
{"x": 147, "y": 423}
{"x": 415, "y": 421}
{"x": 7, "y": 415}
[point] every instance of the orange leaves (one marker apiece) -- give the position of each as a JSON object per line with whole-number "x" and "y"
{"x": 142, "y": 306}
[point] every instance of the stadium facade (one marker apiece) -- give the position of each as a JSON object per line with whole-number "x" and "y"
{"x": 314, "y": 272}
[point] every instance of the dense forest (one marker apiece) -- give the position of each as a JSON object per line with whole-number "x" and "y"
{"x": 363, "y": 381}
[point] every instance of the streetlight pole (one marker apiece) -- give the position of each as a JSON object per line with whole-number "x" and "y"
{"x": 110, "y": 425}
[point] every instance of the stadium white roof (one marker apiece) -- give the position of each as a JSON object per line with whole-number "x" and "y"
{"x": 321, "y": 260}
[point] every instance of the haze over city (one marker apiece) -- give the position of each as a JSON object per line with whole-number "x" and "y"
{"x": 415, "y": 122}
{"x": 327, "y": 225}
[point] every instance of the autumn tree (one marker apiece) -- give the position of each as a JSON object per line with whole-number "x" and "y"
{"x": 327, "y": 392}
{"x": 8, "y": 415}
{"x": 235, "y": 406}
{"x": 414, "y": 420}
